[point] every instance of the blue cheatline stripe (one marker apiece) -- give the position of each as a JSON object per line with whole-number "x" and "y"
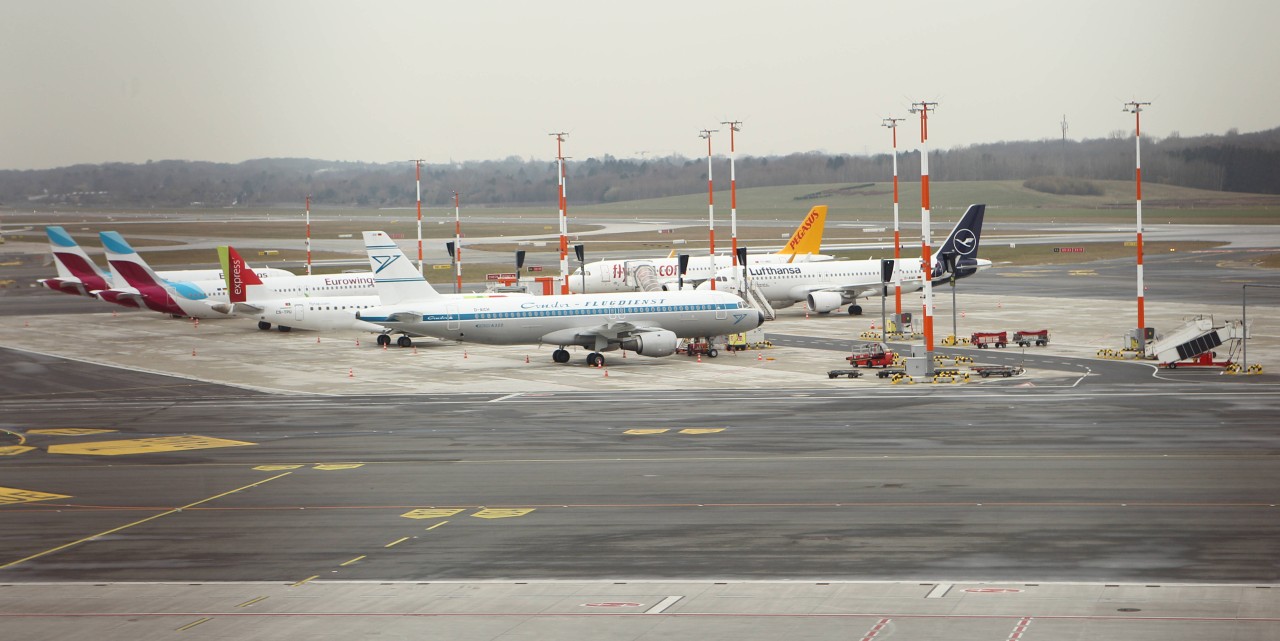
{"x": 382, "y": 247}
{"x": 606, "y": 311}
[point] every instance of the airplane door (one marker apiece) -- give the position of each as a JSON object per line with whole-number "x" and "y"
{"x": 298, "y": 311}
{"x": 722, "y": 314}
{"x": 452, "y": 310}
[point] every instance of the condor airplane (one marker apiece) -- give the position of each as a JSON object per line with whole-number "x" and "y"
{"x": 249, "y": 297}
{"x": 79, "y": 275}
{"x": 624, "y": 275}
{"x": 197, "y": 299}
{"x": 827, "y": 285}
{"x": 648, "y": 323}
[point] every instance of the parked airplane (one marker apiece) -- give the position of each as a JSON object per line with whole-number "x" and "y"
{"x": 197, "y": 299}
{"x": 827, "y": 285}
{"x": 624, "y": 275}
{"x": 249, "y": 297}
{"x": 79, "y": 275}
{"x": 647, "y": 323}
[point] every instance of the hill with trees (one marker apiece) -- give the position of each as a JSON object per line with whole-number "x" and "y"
{"x": 1232, "y": 162}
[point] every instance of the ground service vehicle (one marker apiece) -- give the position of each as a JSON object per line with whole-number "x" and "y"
{"x": 851, "y": 373}
{"x": 871, "y": 355}
{"x": 983, "y": 340}
{"x": 1039, "y": 337}
{"x": 998, "y": 370}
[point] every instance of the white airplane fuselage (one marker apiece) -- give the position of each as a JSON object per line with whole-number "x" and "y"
{"x": 607, "y": 276}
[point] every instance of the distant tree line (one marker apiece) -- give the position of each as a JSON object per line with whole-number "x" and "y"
{"x": 1232, "y": 162}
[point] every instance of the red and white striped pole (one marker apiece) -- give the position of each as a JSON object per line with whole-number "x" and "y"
{"x": 711, "y": 206}
{"x": 1136, "y": 109}
{"x": 417, "y": 175}
{"x": 457, "y": 241}
{"x": 734, "y": 127}
{"x": 892, "y": 124}
{"x": 564, "y": 221}
{"x": 308, "y": 234}
{"x": 926, "y": 260}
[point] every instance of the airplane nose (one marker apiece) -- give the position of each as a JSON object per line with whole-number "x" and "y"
{"x": 760, "y": 314}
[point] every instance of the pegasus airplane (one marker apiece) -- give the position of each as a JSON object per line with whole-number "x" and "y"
{"x": 620, "y": 275}
{"x": 825, "y": 286}
{"x": 648, "y": 323}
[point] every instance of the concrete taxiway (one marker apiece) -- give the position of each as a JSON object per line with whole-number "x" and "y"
{"x": 222, "y": 482}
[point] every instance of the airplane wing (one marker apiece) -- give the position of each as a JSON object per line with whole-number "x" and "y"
{"x": 243, "y": 308}
{"x": 600, "y": 335}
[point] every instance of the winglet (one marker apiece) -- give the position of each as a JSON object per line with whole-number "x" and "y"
{"x": 237, "y": 273}
{"x": 807, "y": 238}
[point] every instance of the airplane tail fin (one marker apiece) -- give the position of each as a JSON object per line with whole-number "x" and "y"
{"x": 126, "y": 262}
{"x": 962, "y": 244}
{"x": 394, "y": 275}
{"x": 807, "y": 238}
{"x": 72, "y": 261}
{"x": 237, "y": 273}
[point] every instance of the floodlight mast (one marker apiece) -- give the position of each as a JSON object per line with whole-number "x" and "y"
{"x": 734, "y": 127}
{"x": 417, "y": 175}
{"x": 308, "y": 234}
{"x": 711, "y": 205}
{"x": 457, "y": 242}
{"x": 564, "y": 221}
{"x": 926, "y": 264}
{"x": 892, "y": 124}
{"x": 1135, "y": 108}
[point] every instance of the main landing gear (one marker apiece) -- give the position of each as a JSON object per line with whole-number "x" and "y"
{"x": 855, "y": 310}
{"x": 402, "y": 341}
{"x": 594, "y": 359}
{"x": 264, "y": 325}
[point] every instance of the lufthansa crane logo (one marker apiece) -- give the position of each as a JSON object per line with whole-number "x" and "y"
{"x": 966, "y": 242}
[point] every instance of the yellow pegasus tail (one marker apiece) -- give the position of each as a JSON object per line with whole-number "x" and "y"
{"x": 808, "y": 236}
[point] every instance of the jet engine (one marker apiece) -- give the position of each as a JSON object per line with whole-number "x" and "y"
{"x": 659, "y": 343}
{"x": 823, "y": 302}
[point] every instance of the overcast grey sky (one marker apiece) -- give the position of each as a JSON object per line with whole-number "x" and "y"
{"x": 112, "y": 80}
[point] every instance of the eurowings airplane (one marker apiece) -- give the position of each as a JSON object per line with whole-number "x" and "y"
{"x": 249, "y": 297}
{"x": 648, "y": 323}
{"x": 79, "y": 275}
{"x": 621, "y": 275}
{"x": 827, "y": 285}
{"x": 196, "y": 299}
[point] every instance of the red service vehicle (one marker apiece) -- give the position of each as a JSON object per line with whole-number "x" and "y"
{"x": 983, "y": 340}
{"x": 1039, "y": 337}
{"x": 871, "y": 355}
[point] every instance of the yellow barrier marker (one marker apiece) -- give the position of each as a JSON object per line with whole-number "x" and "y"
{"x": 146, "y": 445}
{"x": 13, "y": 495}
{"x": 502, "y": 513}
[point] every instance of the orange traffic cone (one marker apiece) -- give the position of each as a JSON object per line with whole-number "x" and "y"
{"x": 351, "y": 373}
{"x": 193, "y": 351}
{"x": 606, "y": 372}
{"x": 759, "y": 356}
{"x": 699, "y": 357}
{"x": 384, "y": 347}
{"x": 415, "y": 350}
{"x": 464, "y": 353}
{"x": 526, "y": 359}
{"x": 317, "y": 340}
{"x": 196, "y": 322}
{"x": 873, "y": 326}
{"x": 357, "y": 342}
{"x": 806, "y": 312}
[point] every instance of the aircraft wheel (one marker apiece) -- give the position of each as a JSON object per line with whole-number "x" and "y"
{"x": 404, "y": 341}
{"x": 595, "y": 359}
{"x": 855, "y": 310}
{"x": 560, "y": 356}
{"x": 383, "y": 339}
{"x": 264, "y": 325}
{"x": 284, "y": 328}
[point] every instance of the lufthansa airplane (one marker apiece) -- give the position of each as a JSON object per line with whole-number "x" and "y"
{"x": 621, "y": 275}
{"x": 647, "y": 323}
{"x": 825, "y": 286}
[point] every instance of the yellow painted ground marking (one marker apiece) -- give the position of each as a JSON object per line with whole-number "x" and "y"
{"x": 250, "y": 602}
{"x": 343, "y": 565}
{"x": 68, "y": 431}
{"x": 659, "y": 431}
{"x": 194, "y": 624}
{"x": 437, "y": 525}
{"x": 305, "y": 581}
{"x": 701, "y": 430}
{"x": 429, "y": 514}
{"x": 22, "y": 439}
{"x": 13, "y": 450}
{"x": 337, "y": 466}
{"x": 140, "y": 521}
{"x": 146, "y": 445}
{"x": 502, "y": 513}
{"x": 275, "y": 468}
{"x": 397, "y": 541}
{"x": 1083, "y": 272}
{"x": 11, "y": 495}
